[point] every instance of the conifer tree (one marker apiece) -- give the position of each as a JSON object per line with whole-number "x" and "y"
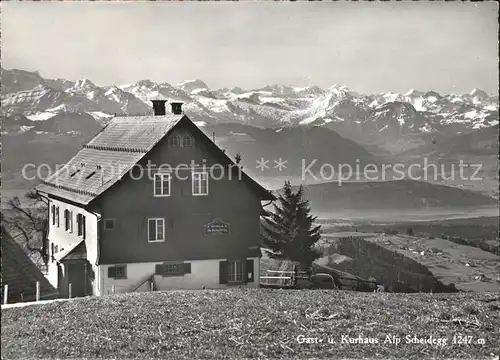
{"x": 289, "y": 233}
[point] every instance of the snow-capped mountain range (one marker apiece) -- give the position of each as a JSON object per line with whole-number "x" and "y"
{"x": 362, "y": 116}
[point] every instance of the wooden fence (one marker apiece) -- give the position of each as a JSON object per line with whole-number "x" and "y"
{"x": 38, "y": 296}
{"x": 290, "y": 279}
{"x": 281, "y": 278}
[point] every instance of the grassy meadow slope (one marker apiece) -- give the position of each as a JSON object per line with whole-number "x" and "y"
{"x": 253, "y": 324}
{"x": 469, "y": 268}
{"x": 417, "y": 261}
{"x": 388, "y": 267}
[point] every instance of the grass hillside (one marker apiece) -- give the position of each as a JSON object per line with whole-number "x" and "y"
{"x": 420, "y": 261}
{"x": 469, "y": 268}
{"x": 388, "y": 267}
{"x": 254, "y": 324}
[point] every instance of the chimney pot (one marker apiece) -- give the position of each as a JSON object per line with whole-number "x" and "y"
{"x": 159, "y": 107}
{"x": 176, "y": 108}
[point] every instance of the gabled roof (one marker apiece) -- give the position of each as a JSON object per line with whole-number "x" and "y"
{"x": 21, "y": 274}
{"x": 116, "y": 149}
{"x": 76, "y": 252}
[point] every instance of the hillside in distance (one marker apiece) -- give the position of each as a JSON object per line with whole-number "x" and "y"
{"x": 298, "y": 146}
{"x": 363, "y": 198}
{"x": 54, "y": 141}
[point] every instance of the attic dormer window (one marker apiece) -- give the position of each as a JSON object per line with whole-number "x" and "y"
{"x": 174, "y": 141}
{"x": 187, "y": 141}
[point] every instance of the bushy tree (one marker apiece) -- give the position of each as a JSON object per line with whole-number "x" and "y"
{"x": 27, "y": 223}
{"x": 289, "y": 232}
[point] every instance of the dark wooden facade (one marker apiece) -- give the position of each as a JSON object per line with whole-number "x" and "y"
{"x": 131, "y": 202}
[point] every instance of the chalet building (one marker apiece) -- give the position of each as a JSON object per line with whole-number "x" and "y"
{"x": 151, "y": 202}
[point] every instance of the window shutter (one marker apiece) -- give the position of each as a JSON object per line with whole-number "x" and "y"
{"x": 187, "y": 268}
{"x": 159, "y": 269}
{"x": 111, "y": 272}
{"x": 79, "y": 224}
{"x": 223, "y": 272}
{"x": 249, "y": 271}
{"x": 84, "y": 227}
{"x": 53, "y": 251}
{"x": 68, "y": 218}
{"x": 152, "y": 230}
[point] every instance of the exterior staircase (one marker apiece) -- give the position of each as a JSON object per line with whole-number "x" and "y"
{"x": 147, "y": 284}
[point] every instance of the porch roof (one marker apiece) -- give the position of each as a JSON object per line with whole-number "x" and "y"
{"x": 77, "y": 252}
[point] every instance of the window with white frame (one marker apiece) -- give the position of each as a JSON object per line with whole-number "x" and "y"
{"x": 187, "y": 140}
{"x": 120, "y": 272}
{"x": 200, "y": 183}
{"x": 57, "y": 216}
{"x": 174, "y": 268}
{"x": 156, "y": 229}
{"x": 174, "y": 140}
{"x": 117, "y": 272}
{"x": 162, "y": 184}
{"x": 235, "y": 271}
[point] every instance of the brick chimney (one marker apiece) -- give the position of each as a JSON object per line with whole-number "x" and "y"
{"x": 159, "y": 107}
{"x": 176, "y": 108}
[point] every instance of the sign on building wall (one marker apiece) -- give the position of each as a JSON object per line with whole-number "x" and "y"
{"x": 217, "y": 227}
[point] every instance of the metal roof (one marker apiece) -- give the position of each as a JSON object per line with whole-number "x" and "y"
{"x": 108, "y": 157}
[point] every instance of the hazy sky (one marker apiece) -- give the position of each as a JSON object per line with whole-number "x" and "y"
{"x": 370, "y": 47}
